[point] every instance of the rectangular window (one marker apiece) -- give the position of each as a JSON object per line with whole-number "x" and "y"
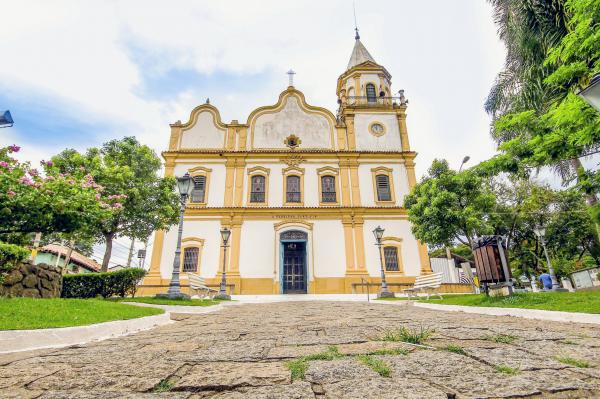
{"x": 257, "y": 193}
{"x": 199, "y": 190}
{"x": 383, "y": 188}
{"x": 293, "y": 189}
{"x": 390, "y": 255}
{"x": 190, "y": 259}
{"x": 328, "y": 189}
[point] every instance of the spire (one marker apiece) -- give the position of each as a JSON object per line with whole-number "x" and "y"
{"x": 359, "y": 53}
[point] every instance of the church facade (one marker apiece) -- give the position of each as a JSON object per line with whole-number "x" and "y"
{"x": 301, "y": 190}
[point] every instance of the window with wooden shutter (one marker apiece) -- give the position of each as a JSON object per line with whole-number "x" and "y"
{"x": 390, "y": 254}
{"x": 383, "y": 188}
{"x": 199, "y": 190}
{"x": 257, "y": 193}
{"x": 371, "y": 94}
{"x": 190, "y": 259}
{"x": 328, "y": 189}
{"x": 293, "y": 189}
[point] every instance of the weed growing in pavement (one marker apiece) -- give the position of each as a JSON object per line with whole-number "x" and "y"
{"x": 378, "y": 365}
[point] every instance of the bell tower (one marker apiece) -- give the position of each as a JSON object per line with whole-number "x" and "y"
{"x": 375, "y": 119}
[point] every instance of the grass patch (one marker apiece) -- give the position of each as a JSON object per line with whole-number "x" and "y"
{"x": 500, "y": 338}
{"x": 410, "y": 335}
{"x": 378, "y": 365}
{"x": 30, "y": 313}
{"x": 573, "y": 362}
{"x": 177, "y": 302}
{"x": 391, "y": 351}
{"x": 507, "y": 370}
{"x": 578, "y": 302}
{"x": 164, "y": 385}
{"x": 299, "y": 366}
{"x": 455, "y": 349}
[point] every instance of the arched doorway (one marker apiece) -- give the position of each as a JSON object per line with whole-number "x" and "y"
{"x": 294, "y": 271}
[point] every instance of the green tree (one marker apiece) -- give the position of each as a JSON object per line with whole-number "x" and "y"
{"x": 447, "y": 206}
{"x": 128, "y": 171}
{"x": 56, "y": 202}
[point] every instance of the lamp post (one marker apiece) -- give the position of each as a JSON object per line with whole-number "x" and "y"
{"x": 464, "y": 161}
{"x": 384, "y": 292}
{"x": 225, "y": 233}
{"x": 184, "y": 185}
{"x": 591, "y": 94}
{"x": 540, "y": 232}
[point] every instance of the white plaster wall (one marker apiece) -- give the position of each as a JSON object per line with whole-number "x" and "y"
{"x": 216, "y": 187}
{"x": 204, "y": 133}
{"x": 209, "y": 230}
{"x": 271, "y": 129}
{"x": 365, "y": 140}
{"x": 365, "y": 181}
{"x": 257, "y": 254}
{"x": 329, "y": 248}
{"x": 393, "y": 228}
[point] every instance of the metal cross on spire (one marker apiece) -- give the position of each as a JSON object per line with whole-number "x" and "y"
{"x": 291, "y": 74}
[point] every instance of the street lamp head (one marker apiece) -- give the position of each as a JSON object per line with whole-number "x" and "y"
{"x": 225, "y": 233}
{"x": 184, "y": 184}
{"x": 591, "y": 94}
{"x": 466, "y": 159}
{"x": 540, "y": 232}
{"x": 378, "y": 233}
{"x": 6, "y": 119}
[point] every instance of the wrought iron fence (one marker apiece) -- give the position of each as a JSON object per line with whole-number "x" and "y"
{"x": 292, "y": 196}
{"x": 328, "y": 197}
{"x": 257, "y": 197}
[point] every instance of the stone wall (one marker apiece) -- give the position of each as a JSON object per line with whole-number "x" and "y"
{"x": 35, "y": 281}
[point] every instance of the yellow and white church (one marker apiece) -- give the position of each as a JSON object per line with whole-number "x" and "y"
{"x": 301, "y": 190}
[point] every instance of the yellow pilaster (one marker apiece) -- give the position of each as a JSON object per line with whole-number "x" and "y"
{"x": 242, "y": 134}
{"x": 153, "y": 276}
{"x": 350, "y": 132}
{"x": 240, "y": 165}
{"x": 359, "y": 242}
{"x": 354, "y": 184}
{"x": 409, "y": 164}
{"x": 236, "y": 234}
{"x": 229, "y": 175}
{"x": 341, "y": 137}
{"x": 403, "y": 129}
{"x": 230, "y": 143}
{"x": 349, "y": 243}
{"x": 345, "y": 180}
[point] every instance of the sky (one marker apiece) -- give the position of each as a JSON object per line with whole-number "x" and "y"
{"x": 75, "y": 74}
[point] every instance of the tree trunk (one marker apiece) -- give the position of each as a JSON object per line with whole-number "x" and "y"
{"x": 130, "y": 256}
{"x": 108, "y": 251}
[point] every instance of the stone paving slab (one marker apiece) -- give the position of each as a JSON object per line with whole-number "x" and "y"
{"x": 242, "y": 352}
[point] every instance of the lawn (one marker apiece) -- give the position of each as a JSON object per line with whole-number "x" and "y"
{"x": 29, "y": 313}
{"x": 579, "y": 302}
{"x": 178, "y": 302}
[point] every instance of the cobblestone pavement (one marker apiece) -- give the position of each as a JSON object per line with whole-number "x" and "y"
{"x": 245, "y": 352}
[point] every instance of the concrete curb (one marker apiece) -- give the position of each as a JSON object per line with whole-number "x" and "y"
{"x": 550, "y": 315}
{"x": 24, "y": 340}
{"x": 183, "y": 309}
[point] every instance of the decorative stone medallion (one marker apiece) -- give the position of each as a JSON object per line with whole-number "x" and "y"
{"x": 377, "y": 129}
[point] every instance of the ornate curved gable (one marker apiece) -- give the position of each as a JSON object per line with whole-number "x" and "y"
{"x": 271, "y": 125}
{"x": 204, "y": 129}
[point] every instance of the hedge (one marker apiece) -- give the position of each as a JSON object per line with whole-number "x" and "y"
{"x": 90, "y": 285}
{"x": 10, "y": 256}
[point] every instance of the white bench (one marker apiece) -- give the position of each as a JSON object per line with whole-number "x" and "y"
{"x": 427, "y": 283}
{"x": 198, "y": 285}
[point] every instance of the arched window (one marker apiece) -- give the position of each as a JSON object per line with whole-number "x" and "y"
{"x": 390, "y": 254}
{"x": 328, "y": 189}
{"x": 371, "y": 94}
{"x": 257, "y": 193}
{"x": 293, "y": 189}
{"x": 383, "y": 188}
{"x": 199, "y": 190}
{"x": 190, "y": 259}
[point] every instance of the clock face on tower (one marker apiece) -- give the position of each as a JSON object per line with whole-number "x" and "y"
{"x": 377, "y": 129}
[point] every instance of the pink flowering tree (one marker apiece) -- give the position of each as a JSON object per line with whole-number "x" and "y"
{"x": 49, "y": 201}
{"x": 139, "y": 199}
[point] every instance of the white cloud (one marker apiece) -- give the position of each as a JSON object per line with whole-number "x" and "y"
{"x": 95, "y": 54}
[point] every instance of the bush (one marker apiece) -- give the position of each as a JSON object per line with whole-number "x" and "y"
{"x": 90, "y": 285}
{"x": 10, "y": 256}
